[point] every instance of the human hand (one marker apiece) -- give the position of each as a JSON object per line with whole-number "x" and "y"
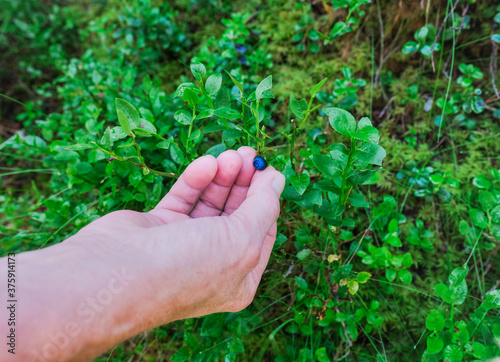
{"x": 206, "y": 244}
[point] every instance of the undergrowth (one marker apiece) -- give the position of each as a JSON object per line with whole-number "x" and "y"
{"x": 383, "y": 116}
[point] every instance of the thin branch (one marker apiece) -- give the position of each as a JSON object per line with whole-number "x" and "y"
{"x": 357, "y": 247}
{"x": 440, "y": 31}
{"x": 494, "y": 67}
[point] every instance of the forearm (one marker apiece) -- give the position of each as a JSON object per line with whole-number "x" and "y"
{"x": 73, "y": 304}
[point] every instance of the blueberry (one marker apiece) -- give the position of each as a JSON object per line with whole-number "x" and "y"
{"x": 240, "y": 48}
{"x": 259, "y": 163}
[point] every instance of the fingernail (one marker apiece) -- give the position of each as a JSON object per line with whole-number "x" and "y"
{"x": 278, "y": 183}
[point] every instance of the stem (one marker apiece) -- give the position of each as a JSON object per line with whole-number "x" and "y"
{"x": 207, "y": 96}
{"x": 308, "y": 112}
{"x": 190, "y": 129}
{"x": 257, "y": 131}
{"x": 244, "y": 118}
{"x": 350, "y": 160}
{"x": 296, "y": 129}
{"x": 126, "y": 159}
{"x": 138, "y": 149}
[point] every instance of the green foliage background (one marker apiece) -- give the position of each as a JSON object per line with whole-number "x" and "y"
{"x": 398, "y": 262}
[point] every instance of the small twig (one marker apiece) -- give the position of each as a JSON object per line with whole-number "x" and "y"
{"x": 439, "y": 33}
{"x": 345, "y": 332}
{"x": 381, "y": 23}
{"x": 354, "y": 238}
{"x": 439, "y": 144}
{"x": 494, "y": 66}
{"x": 387, "y": 106}
{"x": 357, "y": 247}
{"x": 491, "y": 237}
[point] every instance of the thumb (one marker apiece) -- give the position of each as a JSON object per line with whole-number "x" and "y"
{"x": 260, "y": 210}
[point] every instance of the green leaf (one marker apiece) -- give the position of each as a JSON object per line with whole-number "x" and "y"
{"x": 407, "y": 260}
{"x": 347, "y": 73}
{"x": 363, "y": 277}
{"x": 409, "y": 47}
{"x": 492, "y": 300}
{"x": 313, "y": 196}
{"x": 464, "y": 228}
{"x": 458, "y": 275}
{"x": 364, "y": 122}
{"x": 301, "y": 255}
{"x": 263, "y": 86}
{"x": 176, "y": 154}
{"x": 124, "y": 121}
{"x": 370, "y": 153}
{"x": 322, "y": 355}
{"x": 342, "y": 121}
{"x": 196, "y": 136}
{"x": 183, "y": 117}
{"x": 434, "y": 344}
{"x": 235, "y": 347}
{"x": 227, "y": 113}
{"x": 191, "y": 97}
{"x": 179, "y": 92}
{"x": 434, "y": 321}
{"x": 216, "y": 150}
{"x": 198, "y": 70}
{"x": 117, "y": 133}
{"x": 390, "y": 274}
{"x": 206, "y": 113}
{"x": 301, "y": 283}
{"x": 405, "y": 276}
{"x": 481, "y": 182}
{"x": 487, "y": 200}
{"x": 96, "y": 77}
{"x": 353, "y": 286}
{"x": 134, "y": 119}
{"x": 453, "y": 353}
{"x": 213, "y": 84}
{"x": 326, "y": 165}
{"x": 316, "y": 88}
{"x": 437, "y": 179}
{"x": 313, "y": 35}
{"x": 236, "y": 83}
{"x": 444, "y": 292}
{"x": 460, "y": 334}
{"x": 421, "y": 34}
{"x": 394, "y": 241}
{"x": 147, "y": 126}
{"x": 181, "y": 355}
{"x": 298, "y": 107}
{"x": 84, "y": 146}
{"x": 223, "y": 99}
{"x": 368, "y": 133}
{"x": 165, "y": 144}
{"x": 147, "y": 83}
{"x": 393, "y": 226}
{"x": 479, "y": 350}
{"x": 314, "y": 48}
{"x": 478, "y": 218}
{"x": 300, "y": 182}
{"x": 495, "y": 330}
{"x": 495, "y": 214}
{"x": 360, "y": 177}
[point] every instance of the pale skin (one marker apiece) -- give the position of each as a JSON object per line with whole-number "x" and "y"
{"x": 202, "y": 250}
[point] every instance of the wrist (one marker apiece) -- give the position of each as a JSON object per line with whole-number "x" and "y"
{"x": 82, "y": 299}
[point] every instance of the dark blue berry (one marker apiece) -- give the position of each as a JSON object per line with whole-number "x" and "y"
{"x": 259, "y": 163}
{"x": 243, "y": 60}
{"x": 240, "y": 48}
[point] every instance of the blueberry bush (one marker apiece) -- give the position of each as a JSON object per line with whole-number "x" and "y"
{"x": 383, "y": 116}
